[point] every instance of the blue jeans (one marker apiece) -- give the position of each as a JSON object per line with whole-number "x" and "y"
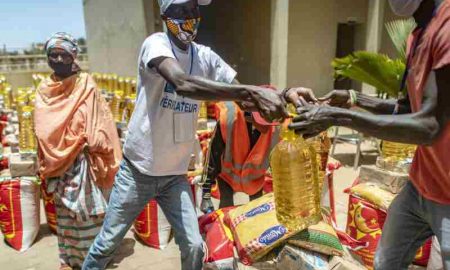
{"x": 132, "y": 190}
{"x": 411, "y": 220}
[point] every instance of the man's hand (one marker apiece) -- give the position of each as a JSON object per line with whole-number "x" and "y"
{"x": 300, "y": 96}
{"x": 269, "y": 103}
{"x": 312, "y": 120}
{"x": 337, "y": 98}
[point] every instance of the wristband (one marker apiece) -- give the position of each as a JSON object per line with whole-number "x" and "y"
{"x": 353, "y": 97}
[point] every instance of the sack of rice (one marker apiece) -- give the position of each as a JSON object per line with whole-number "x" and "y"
{"x": 256, "y": 229}
{"x": 152, "y": 226}
{"x": 373, "y": 194}
{"x": 218, "y": 239}
{"x": 49, "y": 207}
{"x": 19, "y": 211}
{"x": 319, "y": 238}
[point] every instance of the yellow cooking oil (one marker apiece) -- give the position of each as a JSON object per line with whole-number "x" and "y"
{"x": 117, "y": 105}
{"x": 322, "y": 145}
{"x": 396, "y": 152}
{"x": 130, "y": 102}
{"x": 295, "y": 180}
{"x": 27, "y": 140}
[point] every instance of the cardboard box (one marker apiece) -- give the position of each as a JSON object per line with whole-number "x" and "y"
{"x": 23, "y": 164}
{"x": 390, "y": 181}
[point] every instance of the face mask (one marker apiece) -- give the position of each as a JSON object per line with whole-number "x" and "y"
{"x": 405, "y": 8}
{"x": 61, "y": 69}
{"x": 184, "y": 30}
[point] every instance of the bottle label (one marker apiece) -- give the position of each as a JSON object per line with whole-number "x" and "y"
{"x": 272, "y": 235}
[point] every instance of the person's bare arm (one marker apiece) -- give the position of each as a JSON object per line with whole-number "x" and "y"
{"x": 341, "y": 98}
{"x": 422, "y": 127}
{"x": 268, "y": 102}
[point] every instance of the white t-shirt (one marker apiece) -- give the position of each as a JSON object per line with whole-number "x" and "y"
{"x": 161, "y": 132}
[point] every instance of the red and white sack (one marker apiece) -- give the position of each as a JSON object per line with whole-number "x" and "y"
{"x": 152, "y": 226}
{"x": 218, "y": 239}
{"x": 19, "y": 211}
{"x": 435, "y": 262}
{"x": 49, "y": 207}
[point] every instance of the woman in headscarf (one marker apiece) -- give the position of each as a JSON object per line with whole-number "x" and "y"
{"x": 78, "y": 149}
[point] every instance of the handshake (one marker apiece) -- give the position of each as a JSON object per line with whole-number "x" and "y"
{"x": 314, "y": 114}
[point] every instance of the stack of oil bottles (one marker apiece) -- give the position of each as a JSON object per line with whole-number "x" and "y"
{"x": 120, "y": 93}
{"x": 396, "y": 157}
{"x": 18, "y": 107}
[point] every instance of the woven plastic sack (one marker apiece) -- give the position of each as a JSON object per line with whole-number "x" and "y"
{"x": 365, "y": 223}
{"x": 19, "y": 211}
{"x": 319, "y": 238}
{"x": 268, "y": 184}
{"x": 294, "y": 258}
{"x": 256, "y": 229}
{"x": 152, "y": 226}
{"x": 49, "y": 207}
{"x": 374, "y": 194}
{"x": 218, "y": 239}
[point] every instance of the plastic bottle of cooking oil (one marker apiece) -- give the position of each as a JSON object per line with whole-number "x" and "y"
{"x": 395, "y": 152}
{"x": 322, "y": 145}
{"x": 27, "y": 141}
{"x": 295, "y": 181}
{"x": 117, "y": 105}
{"x": 202, "y": 122}
{"x": 131, "y": 102}
{"x": 133, "y": 86}
{"x": 8, "y": 97}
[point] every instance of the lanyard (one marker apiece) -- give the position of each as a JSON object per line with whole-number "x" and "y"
{"x": 192, "y": 56}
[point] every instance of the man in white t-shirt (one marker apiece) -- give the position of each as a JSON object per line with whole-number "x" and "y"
{"x": 174, "y": 73}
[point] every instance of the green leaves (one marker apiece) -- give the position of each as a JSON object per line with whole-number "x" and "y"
{"x": 399, "y": 31}
{"x": 378, "y": 70}
{"x": 374, "y": 69}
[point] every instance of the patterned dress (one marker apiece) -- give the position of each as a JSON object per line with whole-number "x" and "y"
{"x": 80, "y": 208}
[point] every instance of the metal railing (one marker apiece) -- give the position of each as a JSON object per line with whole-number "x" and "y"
{"x": 38, "y": 63}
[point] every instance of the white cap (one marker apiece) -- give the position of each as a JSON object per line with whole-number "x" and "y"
{"x": 164, "y": 4}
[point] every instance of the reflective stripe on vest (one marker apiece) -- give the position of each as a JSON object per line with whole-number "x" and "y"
{"x": 242, "y": 166}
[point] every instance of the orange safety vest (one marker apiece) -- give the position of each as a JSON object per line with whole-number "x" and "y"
{"x": 244, "y": 168}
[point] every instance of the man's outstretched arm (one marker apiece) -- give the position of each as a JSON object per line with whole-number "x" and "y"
{"x": 422, "y": 127}
{"x": 268, "y": 102}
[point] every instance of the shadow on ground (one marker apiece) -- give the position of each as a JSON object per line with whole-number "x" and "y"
{"x": 125, "y": 250}
{"x": 348, "y": 159}
{"x": 44, "y": 231}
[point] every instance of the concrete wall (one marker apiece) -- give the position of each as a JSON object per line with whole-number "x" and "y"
{"x": 386, "y": 44}
{"x": 312, "y": 39}
{"x": 239, "y": 31}
{"x": 115, "y": 31}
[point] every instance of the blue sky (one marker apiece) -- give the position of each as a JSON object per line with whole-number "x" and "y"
{"x": 23, "y": 22}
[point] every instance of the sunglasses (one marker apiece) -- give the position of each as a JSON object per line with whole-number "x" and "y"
{"x": 184, "y": 24}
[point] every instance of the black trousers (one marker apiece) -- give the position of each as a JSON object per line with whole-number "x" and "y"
{"x": 226, "y": 194}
